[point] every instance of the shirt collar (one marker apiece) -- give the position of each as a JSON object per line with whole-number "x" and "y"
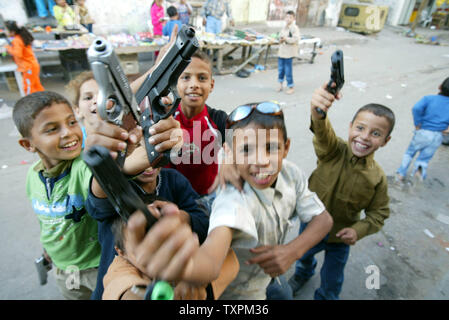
{"x": 267, "y": 195}
{"x": 55, "y": 171}
{"x": 366, "y": 161}
{"x": 186, "y": 122}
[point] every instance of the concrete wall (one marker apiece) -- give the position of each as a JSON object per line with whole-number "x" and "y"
{"x": 13, "y": 10}
{"x": 249, "y": 11}
{"x": 333, "y": 12}
{"x": 113, "y": 16}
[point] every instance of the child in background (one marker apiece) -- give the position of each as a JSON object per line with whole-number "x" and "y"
{"x": 83, "y": 91}
{"x": 41, "y": 6}
{"x": 22, "y": 53}
{"x": 198, "y": 159}
{"x": 254, "y": 222}
{"x": 157, "y": 17}
{"x": 64, "y": 15}
{"x": 288, "y": 49}
{"x": 348, "y": 180}
{"x": 82, "y": 15}
{"x": 57, "y": 186}
{"x": 173, "y": 14}
{"x": 431, "y": 119}
{"x": 184, "y": 11}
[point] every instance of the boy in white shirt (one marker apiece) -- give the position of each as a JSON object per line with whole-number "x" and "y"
{"x": 254, "y": 222}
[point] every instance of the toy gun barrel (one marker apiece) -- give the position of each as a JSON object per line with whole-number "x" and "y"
{"x": 115, "y": 101}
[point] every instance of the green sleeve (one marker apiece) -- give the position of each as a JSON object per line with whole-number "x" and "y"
{"x": 376, "y": 213}
{"x": 325, "y": 141}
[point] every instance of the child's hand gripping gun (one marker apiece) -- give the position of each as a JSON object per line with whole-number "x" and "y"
{"x": 337, "y": 77}
{"x": 116, "y": 102}
{"x": 125, "y": 201}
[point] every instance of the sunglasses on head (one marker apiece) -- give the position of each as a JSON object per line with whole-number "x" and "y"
{"x": 242, "y": 112}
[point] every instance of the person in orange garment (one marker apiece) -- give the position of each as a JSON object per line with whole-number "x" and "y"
{"x": 22, "y": 53}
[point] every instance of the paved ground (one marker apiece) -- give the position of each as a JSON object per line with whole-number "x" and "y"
{"x": 410, "y": 252}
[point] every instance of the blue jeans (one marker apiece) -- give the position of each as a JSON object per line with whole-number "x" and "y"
{"x": 285, "y": 69}
{"x": 42, "y": 9}
{"x": 332, "y": 272}
{"x": 213, "y": 25}
{"x": 279, "y": 289}
{"x": 425, "y": 142}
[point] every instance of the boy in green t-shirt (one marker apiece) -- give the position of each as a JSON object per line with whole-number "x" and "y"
{"x": 58, "y": 183}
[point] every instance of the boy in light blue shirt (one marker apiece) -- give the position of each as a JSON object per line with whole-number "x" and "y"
{"x": 431, "y": 120}
{"x": 174, "y": 19}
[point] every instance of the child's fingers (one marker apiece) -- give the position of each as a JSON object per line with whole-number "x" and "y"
{"x": 107, "y": 142}
{"x": 164, "y": 125}
{"x": 170, "y": 259}
{"x": 260, "y": 249}
{"x": 260, "y": 258}
{"x": 167, "y": 140}
{"x": 146, "y": 248}
{"x": 107, "y": 129}
{"x": 342, "y": 233}
{"x": 164, "y": 253}
{"x": 181, "y": 265}
{"x": 134, "y": 231}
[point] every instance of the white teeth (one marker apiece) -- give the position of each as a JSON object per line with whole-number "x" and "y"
{"x": 361, "y": 146}
{"x": 262, "y": 175}
{"x": 70, "y": 144}
{"x": 193, "y": 95}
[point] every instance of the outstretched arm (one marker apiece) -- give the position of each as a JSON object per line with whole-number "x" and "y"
{"x": 169, "y": 250}
{"x": 276, "y": 260}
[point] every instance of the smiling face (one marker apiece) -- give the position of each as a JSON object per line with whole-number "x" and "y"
{"x": 55, "y": 135}
{"x": 194, "y": 86}
{"x": 258, "y": 154}
{"x": 149, "y": 176}
{"x": 87, "y": 103}
{"x": 289, "y": 19}
{"x": 367, "y": 133}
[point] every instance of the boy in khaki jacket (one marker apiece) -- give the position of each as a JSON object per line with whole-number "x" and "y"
{"x": 288, "y": 49}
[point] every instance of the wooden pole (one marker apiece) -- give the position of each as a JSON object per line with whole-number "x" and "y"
{"x": 418, "y": 14}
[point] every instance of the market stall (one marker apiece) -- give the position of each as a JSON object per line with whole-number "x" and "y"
{"x": 223, "y": 49}
{"x": 255, "y": 49}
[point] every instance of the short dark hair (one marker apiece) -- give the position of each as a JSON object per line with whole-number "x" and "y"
{"x": 171, "y": 11}
{"x": 27, "y": 108}
{"x": 445, "y": 87}
{"x": 117, "y": 227}
{"x": 265, "y": 121}
{"x": 203, "y": 57}
{"x": 26, "y": 36}
{"x": 290, "y": 12}
{"x": 380, "y": 111}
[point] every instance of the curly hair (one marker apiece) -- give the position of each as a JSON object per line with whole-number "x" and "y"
{"x": 74, "y": 86}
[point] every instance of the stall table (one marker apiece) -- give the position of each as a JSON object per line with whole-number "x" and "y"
{"x": 252, "y": 50}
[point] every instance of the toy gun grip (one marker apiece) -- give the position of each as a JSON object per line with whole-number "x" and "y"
{"x": 337, "y": 77}
{"x": 161, "y": 83}
{"x": 117, "y": 188}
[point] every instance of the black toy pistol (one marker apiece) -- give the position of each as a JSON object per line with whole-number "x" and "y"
{"x": 337, "y": 77}
{"x": 114, "y": 183}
